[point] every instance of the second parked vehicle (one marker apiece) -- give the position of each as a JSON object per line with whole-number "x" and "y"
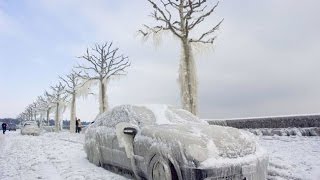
{"x": 12, "y": 127}
{"x": 30, "y": 128}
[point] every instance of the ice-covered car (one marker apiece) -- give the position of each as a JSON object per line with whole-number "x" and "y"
{"x": 12, "y": 127}
{"x": 163, "y": 142}
{"x": 30, "y": 128}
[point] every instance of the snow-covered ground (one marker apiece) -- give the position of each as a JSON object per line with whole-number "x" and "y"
{"x": 293, "y": 157}
{"x": 61, "y": 156}
{"x": 51, "y": 156}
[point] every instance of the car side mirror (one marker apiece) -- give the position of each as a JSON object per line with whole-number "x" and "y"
{"x": 130, "y": 131}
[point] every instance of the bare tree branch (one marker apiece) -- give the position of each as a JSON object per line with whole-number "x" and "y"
{"x": 102, "y": 63}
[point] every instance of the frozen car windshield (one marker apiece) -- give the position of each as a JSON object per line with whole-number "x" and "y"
{"x": 162, "y": 114}
{"x": 146, "y": 115}
{"x": 29, "y": 123}
{"x": 113, "y": 117}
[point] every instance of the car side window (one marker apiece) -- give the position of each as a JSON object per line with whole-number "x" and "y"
{"x": 143, "y": 115}
{"x": 117, "y": 116}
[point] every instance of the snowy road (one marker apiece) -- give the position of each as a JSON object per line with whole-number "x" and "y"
{"x": 50, "y": 156}
{"x": 61, "y": 156}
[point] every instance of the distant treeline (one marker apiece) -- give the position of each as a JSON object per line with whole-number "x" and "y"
{"x": 51, "y": 122}
{"x": 10, "y": 121}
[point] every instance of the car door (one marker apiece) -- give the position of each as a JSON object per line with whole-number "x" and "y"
{"x": 119, "y": 155}
{"x": 105, "y": 136}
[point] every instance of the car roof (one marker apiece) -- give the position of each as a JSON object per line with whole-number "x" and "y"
{"x": 147, "y": 114}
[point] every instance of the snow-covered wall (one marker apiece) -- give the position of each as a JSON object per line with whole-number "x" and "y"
{"x": 311, "y": 131}
{"x": 298, "y": 121}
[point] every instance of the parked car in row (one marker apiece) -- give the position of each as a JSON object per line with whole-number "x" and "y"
{"x": 162, "y": 142}
{"x": 30, "y": 128}
{"x": 12, "y": 127}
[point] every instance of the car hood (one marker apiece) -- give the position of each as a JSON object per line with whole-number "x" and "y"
{"x": 209, "y": 140}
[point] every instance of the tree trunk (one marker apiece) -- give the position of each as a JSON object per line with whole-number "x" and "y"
{"x": 188, "y": 79}
{"x": 48, "y": 113}
{"x": 73, "y": 114}
{"x": 57, "y": 119}
{"x": 103, "y": 99}
{"x": 41, "y": 119}
{"x": 187, "y": 74}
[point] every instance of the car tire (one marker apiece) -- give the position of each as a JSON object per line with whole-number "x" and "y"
{"x": 160, "y": 169}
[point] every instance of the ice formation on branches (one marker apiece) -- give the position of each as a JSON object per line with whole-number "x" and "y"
{"x": 103, "y": 63}
{"x": 181, "y": 18}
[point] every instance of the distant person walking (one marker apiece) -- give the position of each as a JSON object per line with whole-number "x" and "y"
{"x": 4, "y": 127}
{"x": 77, "y": 125}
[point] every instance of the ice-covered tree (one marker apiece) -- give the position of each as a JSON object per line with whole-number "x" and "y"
{"x": 22, "y": 117}
{"x": 45, "y": 104}
{"x": 58, "y": 97}
{"x": 183, "y": 18}
{"x": 48, "y": 101}
{"x": 103, "y": 62}
{"x": 34, "y": 107}
{"x": 30, "y": 112}
{"x": 73, "y": 83}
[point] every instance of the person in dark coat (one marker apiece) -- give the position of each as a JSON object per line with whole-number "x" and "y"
{"x": 77, "y": 125}
{"x": 4, "y": 127}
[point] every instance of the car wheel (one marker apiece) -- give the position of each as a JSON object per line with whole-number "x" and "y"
{"x": 159, "y": 169}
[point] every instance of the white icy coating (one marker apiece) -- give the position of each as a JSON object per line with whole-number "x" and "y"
{"x": 85, "y": 88}
{"x": 30, "y": 128}
{"x": 59, "y": 110}
{"x": 125, "y": 140}
{"x": 263, "y": 117}
{"x": 311, "y": 131}
{"x": 171, "y": 124}
{"x": 103, "y": 96}
{"x": 188, "y": 79}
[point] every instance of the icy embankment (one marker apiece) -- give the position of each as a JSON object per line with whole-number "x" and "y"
{"x": 314, "y": 131}
{"x": 50, "y": 156}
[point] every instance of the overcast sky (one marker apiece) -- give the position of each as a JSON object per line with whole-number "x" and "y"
{"x": 264, "y": 62}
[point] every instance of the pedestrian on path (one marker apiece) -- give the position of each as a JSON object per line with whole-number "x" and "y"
{"x": 4, "y": 127}
{"x": 77, "y": 125}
